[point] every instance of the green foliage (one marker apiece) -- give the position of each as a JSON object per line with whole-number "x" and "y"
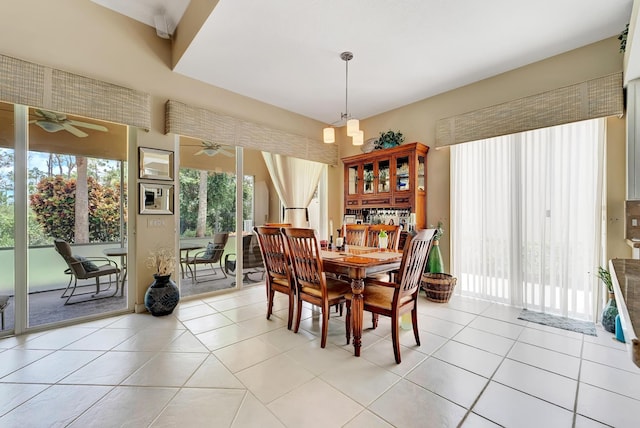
{"x": 54, "y": 206}
{"x": 389, "y": 139}
{"x": 221, "y": 201}
{"x": 605, "y": 276}
{"x": 439, "y": 231}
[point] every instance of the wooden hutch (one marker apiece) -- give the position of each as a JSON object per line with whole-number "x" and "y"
{"x": 388, "y": 184}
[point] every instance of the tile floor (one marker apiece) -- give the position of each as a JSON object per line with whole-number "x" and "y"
{"x": 217, "y": 362}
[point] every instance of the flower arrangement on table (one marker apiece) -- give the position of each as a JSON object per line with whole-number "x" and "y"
{"x": 162, "y": 261}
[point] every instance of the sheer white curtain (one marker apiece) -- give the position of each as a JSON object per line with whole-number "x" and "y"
{"x": 526, "y": 217}
{"x": 295, "y": 181}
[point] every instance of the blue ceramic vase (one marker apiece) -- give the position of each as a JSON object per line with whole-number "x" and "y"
{"x": 162, "y": 296}
{"x": 609, "y": 314}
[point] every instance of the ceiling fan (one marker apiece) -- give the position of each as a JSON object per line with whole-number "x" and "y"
{"x": 53, "y": 122}
{"x": 212, "y": 149}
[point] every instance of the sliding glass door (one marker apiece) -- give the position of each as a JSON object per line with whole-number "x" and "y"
{"x": 526, "y": 217}
{"x": 7, "y": 219}
{"x": 74, "y": 189}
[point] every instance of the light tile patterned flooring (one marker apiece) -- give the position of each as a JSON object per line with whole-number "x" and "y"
{"x": 217, "y": 362}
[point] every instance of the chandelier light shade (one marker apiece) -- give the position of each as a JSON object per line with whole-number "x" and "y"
{"x": 358, "y": 138}
{"x": 353, "y": 125}
{"x": 329, "y": 135}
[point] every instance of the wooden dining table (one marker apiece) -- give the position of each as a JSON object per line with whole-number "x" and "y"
{"x": 357, "y": 263}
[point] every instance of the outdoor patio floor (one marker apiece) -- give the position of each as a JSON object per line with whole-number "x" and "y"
{"x": 48, "y": 307}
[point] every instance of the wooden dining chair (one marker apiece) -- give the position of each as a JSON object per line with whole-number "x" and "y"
{"x": 393, "y": 233}
{"x": 355, "y": 234}
{"x": 312, "y": 285}
{"x": 393, "y": 299}
{"x": 277, "y": 224}
{"x": 277, "y": 267}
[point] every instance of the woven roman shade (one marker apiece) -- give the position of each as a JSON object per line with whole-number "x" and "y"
{"x": 34, "y": 85}
{"x": 587, "y": 100}
{"x": 207, "y": 125}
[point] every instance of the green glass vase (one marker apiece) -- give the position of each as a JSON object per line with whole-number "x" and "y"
{"x": 434, "y": 261}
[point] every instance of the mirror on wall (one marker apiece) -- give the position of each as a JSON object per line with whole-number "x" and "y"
{"x": 156, "y": 198}
{"x": 156, "y": 164}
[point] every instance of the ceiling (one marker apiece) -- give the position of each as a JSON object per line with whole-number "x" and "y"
{"x": 287, "y": 52}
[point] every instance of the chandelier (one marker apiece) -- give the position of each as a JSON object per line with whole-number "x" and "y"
{"x": 353, "y": 125}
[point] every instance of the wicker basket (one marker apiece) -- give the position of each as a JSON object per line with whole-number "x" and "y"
{"x": 438, "y": 286}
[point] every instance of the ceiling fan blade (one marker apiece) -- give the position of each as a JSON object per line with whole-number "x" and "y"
{"x": 199, "y": 152}
{"x": 75, "y": 131}
{"x": 46, "y": 114}
{"x": 49, "y": 126}
{"x": 226, "y": 153}
{"x": 88, "y": 125}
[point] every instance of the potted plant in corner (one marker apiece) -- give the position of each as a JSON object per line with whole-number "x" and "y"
{"x": 610, "y": 310}
{"x": 163, "y": 295}
{"x": 437, "y": 285}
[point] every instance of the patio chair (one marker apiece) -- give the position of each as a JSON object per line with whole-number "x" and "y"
{"x": 251, "y": 259}
{"x": 4, "y": 302}
{"x": 210, "y": 256}
{"x": 393, "y": 299}
{"x": 277, "y": 267}
{"x": 80, "y": 267}
{"x": 312, "y": 284}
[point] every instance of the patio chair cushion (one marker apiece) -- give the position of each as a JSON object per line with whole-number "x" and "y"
{"x": 208, "y": 253}
{"x": 87, "y": 264}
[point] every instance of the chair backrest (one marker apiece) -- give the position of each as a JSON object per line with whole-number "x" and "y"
{"x": 304, "y": 253}
{"x": 355, "y": 234}
{"x": 221, "y": 238}
{"x": 251, "y": 255}
{"x": 215, "y": 249}
{"x": 64, "y": 249}
{"x": 414, "y": 260}
{"x": 274, "y": 255}
{"x": 393, "y": 233}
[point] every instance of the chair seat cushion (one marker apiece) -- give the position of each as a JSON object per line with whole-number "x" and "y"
{"x": 280, "y": 281}
{"x": 199, "y": 260}
{"x": 379, "y": 296}
{"x": 87, "y": 264}
{"x": 208, "y": 253}
{"x": 103, "y": 270}
{"x": 335, "y": 289}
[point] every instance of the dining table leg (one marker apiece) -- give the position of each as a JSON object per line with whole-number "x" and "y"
{"x": 357, "y": 311}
